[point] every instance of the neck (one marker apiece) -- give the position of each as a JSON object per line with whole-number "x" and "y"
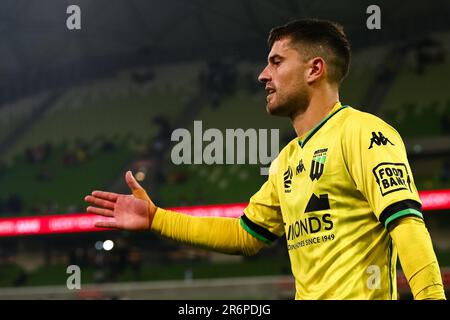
{"x": 318, "y": 108}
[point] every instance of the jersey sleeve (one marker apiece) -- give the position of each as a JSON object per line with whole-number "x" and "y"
{"x": 376, "y": 158}
{"x": 262, "y": 217}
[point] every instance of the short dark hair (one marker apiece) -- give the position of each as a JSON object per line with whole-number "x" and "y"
{"x": 320, "y": 38}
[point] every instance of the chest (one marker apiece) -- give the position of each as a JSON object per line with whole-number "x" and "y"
{"x": 310, "y": 177}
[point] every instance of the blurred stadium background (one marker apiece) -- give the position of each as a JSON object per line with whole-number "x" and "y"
{"x": 79, "y": 108}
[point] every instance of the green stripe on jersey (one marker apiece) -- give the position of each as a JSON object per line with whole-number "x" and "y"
{"x": 317, "y": 127}
{"x": 253, "y": 233}
{"x": 401, "y": 214}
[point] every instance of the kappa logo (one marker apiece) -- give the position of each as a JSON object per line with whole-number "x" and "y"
{"x": 318, "y": 164}
{"x": 300, "y": 167}
{"x": 392, "y": 177}
{"x": 379, "y": 140}
{"x": 288, "y": 180}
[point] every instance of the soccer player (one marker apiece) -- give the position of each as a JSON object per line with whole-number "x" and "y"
{"x": 342, "y": 192}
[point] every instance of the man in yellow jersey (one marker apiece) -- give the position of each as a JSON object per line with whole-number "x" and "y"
{"x": 342, "y": 192}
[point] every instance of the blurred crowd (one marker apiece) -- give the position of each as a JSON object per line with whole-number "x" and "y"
{"x": 42, "y": 164}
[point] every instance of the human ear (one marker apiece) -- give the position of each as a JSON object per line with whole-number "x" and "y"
{"x": 316, "y": 69}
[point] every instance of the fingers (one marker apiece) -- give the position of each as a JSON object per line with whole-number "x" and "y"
{"x": 100, "y": 211}
{"x": 131, "y": 181}
{"x": 100, "y": 202}
{"x": 106, "y": 224}
{"x": 111, "y": 196}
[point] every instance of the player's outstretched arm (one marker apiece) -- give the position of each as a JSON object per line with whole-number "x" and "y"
{"x": 138, "y": 212}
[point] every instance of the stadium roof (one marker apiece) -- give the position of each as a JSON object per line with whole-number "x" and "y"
{"x": 35, "y": 37}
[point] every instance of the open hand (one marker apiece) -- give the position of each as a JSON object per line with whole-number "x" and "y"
{"x": 128, "y": 212}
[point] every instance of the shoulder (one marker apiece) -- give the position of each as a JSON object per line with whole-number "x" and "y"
{"x": 356, "y": 122}
{"x": 361, "y": 128}
{"x": 356, "y": 119}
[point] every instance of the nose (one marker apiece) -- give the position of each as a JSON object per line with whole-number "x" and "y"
{"x": 264, "y": 76}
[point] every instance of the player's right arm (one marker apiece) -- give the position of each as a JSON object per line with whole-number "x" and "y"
{"x": 138, "y": 212}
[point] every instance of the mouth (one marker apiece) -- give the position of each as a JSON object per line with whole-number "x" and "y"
{"x": 270, "y": 91}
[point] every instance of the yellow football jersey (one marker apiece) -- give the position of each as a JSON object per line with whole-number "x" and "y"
{"x": 334, "y": 195}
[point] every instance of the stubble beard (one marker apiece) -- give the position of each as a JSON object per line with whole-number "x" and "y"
{"x": 291, "y": 106}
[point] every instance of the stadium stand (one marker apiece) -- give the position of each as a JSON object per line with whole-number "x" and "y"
{"x": 60, "y": 136}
